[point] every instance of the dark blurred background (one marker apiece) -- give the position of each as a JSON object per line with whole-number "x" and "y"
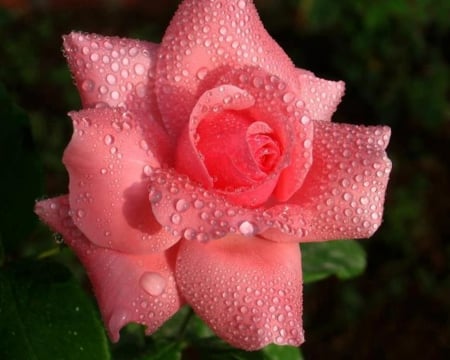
{"x": 393, "y": 56}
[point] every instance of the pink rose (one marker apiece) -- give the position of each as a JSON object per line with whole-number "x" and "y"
{"x": 197, "y": 166}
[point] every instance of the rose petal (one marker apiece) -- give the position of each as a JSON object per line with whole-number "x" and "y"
{"x": 128, "y": 288}
{"x": 301, "y": 158}
{"x": 343, "y": 194}
{"x": 108, "y": 160}
{"x": 278, "y": 104}
{"x": 189, "y": 160}
{"x": 184, "y": 207}
{"x": 205, "y": 37}
{"x": 247, "y": 290}
{"x": 321, "y": 96}
{"x": 113, "y": 71}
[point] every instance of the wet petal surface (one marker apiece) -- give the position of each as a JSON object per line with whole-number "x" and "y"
{"x": 343, "y": 194}
{"x": 203, "y": 40}
{"x": 185, "y": 208}
{"x": 129, "y": 288}
{"x": 109, "y": 159}
{"x": 247, "y": 290}
{"x": 321, "y": 97}
{"x": 113, "y": 71}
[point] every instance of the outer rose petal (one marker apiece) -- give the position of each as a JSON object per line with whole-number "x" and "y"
{"x": 113, "y": 71}
{"x": 108, "y": 160}
{"x": 183, "y": 207}
{"x": 321, "y": 97}
{"x": 128, "y": 288}
{"x": 343, "y": 194}
{"x": 211, "y": 36}
{"x": 246, "y": 289}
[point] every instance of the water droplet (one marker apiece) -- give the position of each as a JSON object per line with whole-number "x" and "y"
{"x": 108, "y": 139}
{"x": 201, "y": 73}
{"x": 144, "y": 145}
{"x": 110, "y": 79}
{"x": 288, "y": 97}
{"x": 347, "y": 196}
{"x": 305, "y": 120}
{"x": 87, "y": 85}
{"x": 247, "y": 228}
{"x": 115, "y": 95}
{"x": 175, "y": 218}
{"x": 139, "y": 69}
{"x": 189, "y": 234}
{"x": 148, "y": 170}
{"x": 198, "y": 204}
{"x": 181, "y": 205}
{"x": 154, "y": 195}
{"x": 153, "y": 283}
{"x": 364, "y": 200}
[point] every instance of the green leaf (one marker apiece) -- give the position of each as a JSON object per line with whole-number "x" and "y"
{"x": 44, "y": 314}
{"x": 213, "y": 348}
{"x": 276, "y": 352}
{"x": 21, "y": 180}
{"x": 167, "y": 350}
{"x": 342, "y": 258}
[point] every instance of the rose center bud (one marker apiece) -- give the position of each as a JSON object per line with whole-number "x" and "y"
{"x": 238, "y": 151}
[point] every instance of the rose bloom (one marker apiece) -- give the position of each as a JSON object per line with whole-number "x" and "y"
{"x": 197, "y": 166}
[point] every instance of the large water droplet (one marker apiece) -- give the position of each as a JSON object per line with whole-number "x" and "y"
{"x": 181, "y": 205}
{"x": 139, "y": 69}
{"x": 247, "y": 228}
{"x": 153, "y": 283}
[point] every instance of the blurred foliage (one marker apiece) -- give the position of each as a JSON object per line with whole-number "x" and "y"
{"x": 393, "y": 55}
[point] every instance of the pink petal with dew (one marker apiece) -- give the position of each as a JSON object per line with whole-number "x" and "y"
{"x": 109, "y": 159}
{"x": 128, "y": 288}
{"x": 343, "y": 194}
{"x": 321, "y": 97}
{"x": 113, "y": 71}
{"x": 278, "y": 104}
{"x": 189, "y": 160}
{"x": 248, "y": 290}
{"x": 185, "y": 208}
{"x": 205, "y": 37}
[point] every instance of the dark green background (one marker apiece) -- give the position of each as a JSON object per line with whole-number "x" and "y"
{"x": 393, "y": 55}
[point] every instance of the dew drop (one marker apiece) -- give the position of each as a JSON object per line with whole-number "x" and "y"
{"x": 189, "y": 234}
{"x": 175, "y": 218}
{"x": 247, "y": 228}
{"x": 153, "y": 283}
{"x": 87, "y": 85}
{"x": 201, "y": 73}
{"x": 305, "y": 120}
{"x": 148, "y": 170}
{"x": 181, "y": 205}
{"x": 154, "y": 195}
{"x": 144, "y": 145}
{"x": 364, "y": 200}
{"x": 288, "y": 97}
{"x": 108, "y": 139}
{"x": 110, "y": 79}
